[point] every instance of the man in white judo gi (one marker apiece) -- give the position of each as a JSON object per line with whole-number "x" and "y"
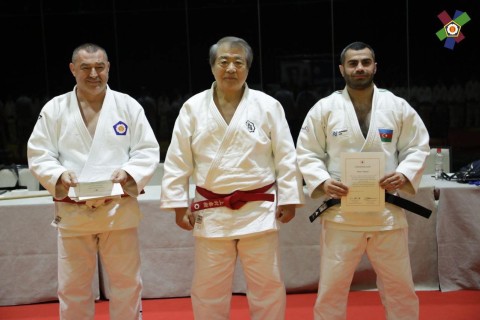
{"x": 236, "y": 144}
{"x": 363, "y": 118}
{"x": 88, "y": 135}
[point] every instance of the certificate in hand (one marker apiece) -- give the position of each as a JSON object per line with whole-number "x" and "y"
{"x": 361, "y": 172}
{"x": 94, "y": 183}
{"x": 93, "y": 190}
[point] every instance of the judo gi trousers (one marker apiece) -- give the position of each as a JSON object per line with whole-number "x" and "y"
{"x": 214, "y": 268}
{"x": 77, "y": 260}
{"x": 387, "y": 251}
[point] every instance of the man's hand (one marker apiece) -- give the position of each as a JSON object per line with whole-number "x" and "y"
{"x": 120, "y": 176}
{"x": 334, "y": 189}
{"x": 68, "y": 179}
{"x": 285, "y": 212}
{"x": 184, "y": 218}
{"x": 393, "y": 181}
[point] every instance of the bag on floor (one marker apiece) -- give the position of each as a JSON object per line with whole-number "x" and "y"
{"x": 470, "y": 172}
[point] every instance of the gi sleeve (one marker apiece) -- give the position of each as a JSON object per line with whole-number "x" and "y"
{"x": 311, "y": 151}
{"x": 144, "y": 154}
{"x": 42, "y": 150}
{"x": 178, "y": 166}
{"x": 413, "y": 147}
{"x": 288, "y": 176}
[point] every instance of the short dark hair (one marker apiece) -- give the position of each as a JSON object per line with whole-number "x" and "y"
{"x": 357, "y": 45}
{"x": 90, "y": 48}
{"x": 235, "y": 42}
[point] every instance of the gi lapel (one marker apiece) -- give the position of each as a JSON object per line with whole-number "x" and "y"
{"x": 229, "y": 133}
{"x": 97, "y": 165}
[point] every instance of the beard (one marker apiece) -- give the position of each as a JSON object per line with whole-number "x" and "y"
{"x": 359, "y": 84}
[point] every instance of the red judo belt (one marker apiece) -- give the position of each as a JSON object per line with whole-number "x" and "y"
{"x": 234, "y": 200}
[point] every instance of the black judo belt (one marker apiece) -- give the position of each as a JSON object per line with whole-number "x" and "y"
{"x": 391, "y": 198}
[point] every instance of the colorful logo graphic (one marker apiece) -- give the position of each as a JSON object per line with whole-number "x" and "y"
{"x": 120, "y": 128}
{"x": 385, "y": 135}
{"x": 451, "y": 28}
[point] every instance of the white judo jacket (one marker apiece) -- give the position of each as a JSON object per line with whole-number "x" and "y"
{"x": 331, "y": 127}
{"x": 253, "y": 151}
{"x": 123, "y": 139}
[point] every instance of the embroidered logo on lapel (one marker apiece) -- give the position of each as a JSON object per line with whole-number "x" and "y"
{"x": 120, "y": 128}
{"x": 250, "y": 126}
{"x": 339, "y": 132}
{"x": 385, "y": 135}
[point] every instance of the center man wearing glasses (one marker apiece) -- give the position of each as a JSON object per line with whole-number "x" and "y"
{"x": 236, "y": 145}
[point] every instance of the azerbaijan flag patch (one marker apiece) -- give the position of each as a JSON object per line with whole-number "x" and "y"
{"x": 385, "y": 135}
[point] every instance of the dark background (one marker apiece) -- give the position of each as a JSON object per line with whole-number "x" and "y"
{"x": 158, "y": 52}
